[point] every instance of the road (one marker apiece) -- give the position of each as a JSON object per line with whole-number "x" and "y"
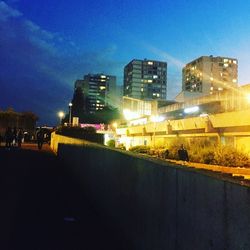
{"x": 41, "y": 208}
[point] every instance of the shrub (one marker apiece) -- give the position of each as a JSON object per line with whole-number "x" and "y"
{"x": 160, "y": 152}
{"x": 121, "y": 146}
{"x": 140, "y": 149}
{"x": 228, "y": 156}
{"x": 111, "y": 143}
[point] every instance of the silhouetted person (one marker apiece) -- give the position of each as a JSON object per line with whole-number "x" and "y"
{"x": 183, "y": 154}
{"x": 8, "y": 138}
{"x": 39, "y": 137}
{"x": 19, "y": 138}
{"x": 14, "y": 137}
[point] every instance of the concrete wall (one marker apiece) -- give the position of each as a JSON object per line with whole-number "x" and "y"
{"x": 157, "y": 205}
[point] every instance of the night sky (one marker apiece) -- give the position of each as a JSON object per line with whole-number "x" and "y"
{"x": 46, "y": 45}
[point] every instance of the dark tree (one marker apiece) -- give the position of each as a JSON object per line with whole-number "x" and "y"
{"x": 78, "y": 107}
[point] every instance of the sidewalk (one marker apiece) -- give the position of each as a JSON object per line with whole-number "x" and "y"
{"x": 43, "y": 208}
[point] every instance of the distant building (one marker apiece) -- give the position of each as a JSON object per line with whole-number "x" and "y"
{"x": 79, "y": 84}
{"x": 99, "y": 91}
{"x": 145, "y": 79}
{"x": 207, "y": 75}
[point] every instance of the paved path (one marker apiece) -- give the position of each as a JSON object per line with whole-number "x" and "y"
{"x": 42, "y": 208}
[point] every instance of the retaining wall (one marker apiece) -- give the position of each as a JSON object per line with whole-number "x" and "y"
{"x": 157, "y": 205}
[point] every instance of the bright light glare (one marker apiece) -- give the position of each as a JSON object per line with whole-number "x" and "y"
{"x": 203, "y": 115}
{"x": 129, "y": 115}
{"x": 191, "y": 110}
{"x": 114, "y": 124}
{"x": 248, "y": 98}
{"x": 60, "y": 114}
{"x": 156, "y": 118}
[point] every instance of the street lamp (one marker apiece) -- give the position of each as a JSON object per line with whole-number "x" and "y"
{"x": 61, "y": 115}
{"x": 70, "y": 112}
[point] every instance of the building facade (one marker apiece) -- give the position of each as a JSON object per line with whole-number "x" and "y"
{"x": 99, "y": 91}
{"x": 145, "y": 79}
{"x": 207, "y": 75}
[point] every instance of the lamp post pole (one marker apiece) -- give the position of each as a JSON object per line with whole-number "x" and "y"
{"x": 70, "y": 113}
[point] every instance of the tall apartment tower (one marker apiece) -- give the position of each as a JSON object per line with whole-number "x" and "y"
{"x": 207, "y": 75}
{"x": 145, "y": 79}
{"x": 100, "y": 91}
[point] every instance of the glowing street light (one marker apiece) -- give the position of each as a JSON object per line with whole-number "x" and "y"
{"x": 61, "y": 115}
{"x": 70, "y": 112}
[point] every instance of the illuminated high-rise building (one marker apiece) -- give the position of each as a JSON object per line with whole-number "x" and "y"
{"x": 145, "y": 79}
{"x": 207, "y": 75}
{"x": 100, "y": 91}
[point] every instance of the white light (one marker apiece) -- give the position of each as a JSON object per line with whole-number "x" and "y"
{"x": 191, "y": 110}
{"x": 248, "y": 98}
{"x": 203, "y": 115}
{"x": 61, "y": 114}
{"x": 70, "y": 104}
{"x": 129, "y": 115}
{"x": 156, "y": 118}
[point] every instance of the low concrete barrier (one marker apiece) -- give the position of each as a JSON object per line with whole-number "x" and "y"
{"x": 57, "y": 139}
{"x": 159, "y": 205}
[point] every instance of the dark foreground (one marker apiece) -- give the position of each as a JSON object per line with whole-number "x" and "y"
{"x": 41, "y": 207}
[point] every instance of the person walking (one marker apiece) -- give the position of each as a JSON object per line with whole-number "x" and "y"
{"x": 8, "y": 138}
{"x": 19, "y": 137}
{"x": 183, "y": 154}
{"x": 39, "y": 137}
{"x": 14, "y": 137}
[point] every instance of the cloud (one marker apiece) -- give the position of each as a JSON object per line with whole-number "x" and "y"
{"x": 38, "y": 67}
{"x": 7, "y": 12}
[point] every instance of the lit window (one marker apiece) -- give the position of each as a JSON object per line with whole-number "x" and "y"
{"x": 211, "y": 88}
{"x": 234, "y": 80}
{"x": 234, "y": 61}
{"x": 150, "y": 63}
{"x": 155, "y": 76}
{"x": 149, "y": 81}
{"x": 211, "y": 78}
{"x": 158, "y": 95}
{"x": 230, "y": 61}
{"x": 225, "y": 60}
{"x": 225, "y": 64}
{"x": 220, "y": 89}
{"x": 103, "y": 76}
{"x": 141, "y": 89}
{"x": 98, "y": 101}
{"x": 102, "y": 87}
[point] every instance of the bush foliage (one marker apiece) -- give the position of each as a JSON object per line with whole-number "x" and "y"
{"x": 199, "y": 150}
{"x": 140, "y": 149}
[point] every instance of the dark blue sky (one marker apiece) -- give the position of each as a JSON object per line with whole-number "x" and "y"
{"x": 46, "y": 45}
